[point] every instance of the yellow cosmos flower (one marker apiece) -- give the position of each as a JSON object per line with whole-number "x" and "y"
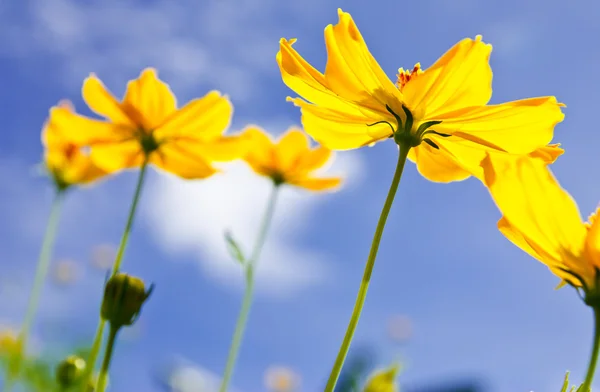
{"x": 290, "y": 160}
{"x": 66, "y": 162}
{"x": 147, "y": 126}
{"x": 354, "y": 104}
{"x": 542, "y": 219}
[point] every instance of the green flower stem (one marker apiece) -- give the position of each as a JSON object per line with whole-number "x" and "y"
{"x": 91, "y": 361}
{"x": 364, "y": 285}
{"x": 110, "y": 345}
{"x": 38, "y": 283}
{"x": 589, "y": 377}
{"x": 249, "y": 265}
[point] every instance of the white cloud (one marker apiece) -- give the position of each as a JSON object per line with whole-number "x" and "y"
{"x": 194, "y": 44}
{"x": 191, "y": 217}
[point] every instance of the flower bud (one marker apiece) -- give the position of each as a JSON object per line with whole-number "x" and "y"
{"x": 124, "y": 296}
{"x": 383, "y": 380}
{"x": 69, "y": 371}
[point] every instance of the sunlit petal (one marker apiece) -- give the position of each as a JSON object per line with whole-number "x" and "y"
{"x": 338, "y": 130}
{"x": 83, "y": 130}
{"x": 172, "y": 159}
{"x": 102, "y": 102}
{"x": 437, "y": 165}
{"x": 149, "y": 100}
{"x": 314, "y": 159}
{"x": 592, "y": 243}
{"x": 291, "y": 146}
{"x": 534, "y": 204}
{"x": 468, "y": 155}
{"x": 113, "y": 157}
{"x": 204, "y": 118}
{"x": 461, "y": 77}
{"x": 351, "y": 70}
{"x": 223, "y": 149}
{"x": 517, "y": 127}
{"x": 317, "y": 184}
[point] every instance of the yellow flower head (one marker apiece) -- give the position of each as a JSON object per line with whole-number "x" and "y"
{"x": 66, "y": 162}
{"x": 542, "y": 219}
{"x": 290, "y": 160}
{"x": 147, "y": 124}
{"x": 354, "y": 104}
{"x": 9, "y": 342}
{"x": 383, "y": 380}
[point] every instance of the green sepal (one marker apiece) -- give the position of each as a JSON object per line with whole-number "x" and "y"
{"x": 432, "y": 144}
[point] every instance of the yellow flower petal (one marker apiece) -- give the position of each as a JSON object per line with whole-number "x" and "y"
{"x": 102, "y": 102}
{"x": 518, "y": 127}
{"x": 261, "y": 152}
{"x": 302, "y": 77}
{"x": 437, "y": 165}
{"x": 521, "y": 241}
{"x": 291, "y": 146}
{"x": 352, "y": 72}
{"x": 461, "y": 77}
{"x": 592, "y": 243}
{"x": 182, "y": 163}
{"x": 223, "y": 149}
{"x": 148, "y": 100}
{"x": 340, "y": 131}
{"x": 314, "y": 159}
{"x": 204, "y": 118}
{"x": 549, "y": 153}
{"x": 113, "y": 157}
{"x": 535, "y": 205}
{"x": 457, "y": 153}
{"x": 317, "y": 184}
{"x": 85, "y": 131}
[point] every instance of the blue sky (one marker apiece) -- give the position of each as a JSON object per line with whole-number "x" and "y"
{"x": 479, "y": 306}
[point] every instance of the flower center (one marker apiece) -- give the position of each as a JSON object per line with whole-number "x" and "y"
{"x": 405, "y": 76}
{"x": 407, "y": 132}
{"x": 70, "y": 151}
{"x": 147, "y": 141}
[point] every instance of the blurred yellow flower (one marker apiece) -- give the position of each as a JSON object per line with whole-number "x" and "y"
{"x": 281, "y": 379}
{"x": 383, "y": 380}
{"x": 103, "y": 256}
{"x": 9, "y": 343}
{"x": 66, "y": 272}
{"x": 542, "y": 219}
{"x": 354, "y": 104}
{"x": 66, "y": 162}
{"x": 290, "y": 160}
{"x": 147, "y": 125}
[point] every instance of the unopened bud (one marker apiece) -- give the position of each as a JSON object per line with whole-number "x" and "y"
{"x": 69, "y": 371}
{"x": 124, "y": 296}
{"x": 383, "y": 380}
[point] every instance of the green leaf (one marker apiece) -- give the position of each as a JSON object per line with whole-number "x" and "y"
{"x": 234, "y": 249}
{"x": 565, "y": 387}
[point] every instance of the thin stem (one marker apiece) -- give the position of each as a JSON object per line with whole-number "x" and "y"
{"x": 589, "y": 377}
{"x": 242, "y": 320}
{"x": 364, "y": 285}
{"x": 95, "y": 350}
{"x": 110, "y": 345}
{"x": 38, "y": 283}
